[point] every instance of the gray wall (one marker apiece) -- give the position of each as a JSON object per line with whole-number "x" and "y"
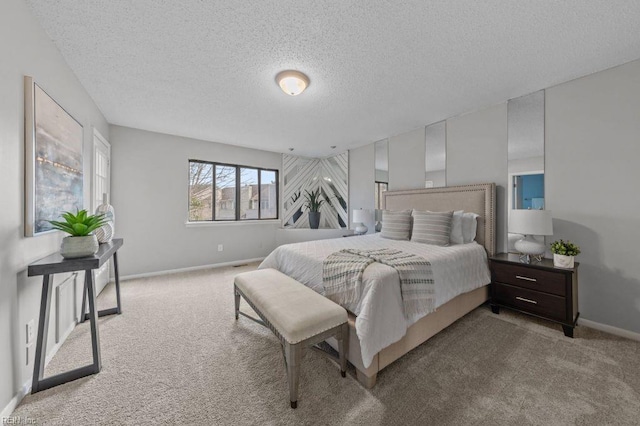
{"x": 361, "y": 182}
{"x": 592, "y": 177}
{"x": 150, "y": 197}
{"x": 477, "y": 153}
{"x": 406, "y": 160}
{"x": 26, "y": 50}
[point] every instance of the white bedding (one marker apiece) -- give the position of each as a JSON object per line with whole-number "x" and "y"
{"x": 380, "y": 318}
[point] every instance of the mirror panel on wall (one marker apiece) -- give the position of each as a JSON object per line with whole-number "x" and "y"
{"x": 525, "y": 123}
{"x": 381, "y": 170}
{"x": 435, "y": 155}
{"x": 329, "y": 175}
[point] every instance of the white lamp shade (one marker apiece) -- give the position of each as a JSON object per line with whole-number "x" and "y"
{"x": 361, "y": 216}
{"x": 531, "y": 222}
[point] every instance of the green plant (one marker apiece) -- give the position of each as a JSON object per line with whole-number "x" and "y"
{"x": 313, "y": 201}
{"x": 80, "y": 224}
{"x": 565, "y": 248}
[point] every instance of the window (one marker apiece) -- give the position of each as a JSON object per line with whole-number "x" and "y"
{"x": 227, "y": 192}
{"x": 381, "y": 187}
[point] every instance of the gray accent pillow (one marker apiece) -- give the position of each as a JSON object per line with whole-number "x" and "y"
{"x": 396, "y": 225}
{"x": 431, "y": 227}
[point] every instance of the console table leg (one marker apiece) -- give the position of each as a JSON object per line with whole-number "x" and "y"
{"x": 495, "y": 309}
{"x": 93, "y": 317}
{"x": 568, "y": 330}
{"x": 43, "y": 328}
{"x": 83, "y": 309}
{"x": 117, "y": 276}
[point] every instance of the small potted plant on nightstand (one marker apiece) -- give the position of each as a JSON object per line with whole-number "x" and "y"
{"x": 81, "y": 241}
{"x": 564, "y": 253}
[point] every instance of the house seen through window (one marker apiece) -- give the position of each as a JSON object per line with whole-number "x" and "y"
{"x": 226, "y": 192}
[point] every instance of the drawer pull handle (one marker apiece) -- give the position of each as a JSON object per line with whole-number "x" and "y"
{"x": 526, "y": 300}
{"x": 520, "y": 277}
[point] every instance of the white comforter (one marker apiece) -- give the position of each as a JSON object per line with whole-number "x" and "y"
{"x": 380, "y": 318}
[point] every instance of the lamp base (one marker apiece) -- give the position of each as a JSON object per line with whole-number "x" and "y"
{"x": 361, "y": 229}
{"x": 530, "y": 247}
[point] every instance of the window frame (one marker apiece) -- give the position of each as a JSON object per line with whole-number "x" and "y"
{"x": 238, "y": 192}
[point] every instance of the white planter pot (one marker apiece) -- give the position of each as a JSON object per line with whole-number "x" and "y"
{"x": 74, "y": 247}
{"x": 562, "y": 261}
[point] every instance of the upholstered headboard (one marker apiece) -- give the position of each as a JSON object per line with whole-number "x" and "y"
{"x": 479, "y": 199}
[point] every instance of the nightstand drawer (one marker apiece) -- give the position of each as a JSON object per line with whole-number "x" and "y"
{"x": 543, "y": 304}
{"x": 531, "y": 278}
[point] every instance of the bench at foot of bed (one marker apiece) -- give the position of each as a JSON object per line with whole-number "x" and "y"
{"x": 297, "y": 315}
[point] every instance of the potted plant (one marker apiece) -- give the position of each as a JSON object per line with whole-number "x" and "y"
{"x": 81, "y": 241}
{"x": 564, "y": 253}
{"x": 313, "y": 204}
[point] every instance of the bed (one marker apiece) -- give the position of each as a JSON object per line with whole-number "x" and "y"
{"x": 379, "y": 331}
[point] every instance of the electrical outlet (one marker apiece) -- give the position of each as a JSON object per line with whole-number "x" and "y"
{"x": 30, "y": 331}
{"x": 220, "y": 247}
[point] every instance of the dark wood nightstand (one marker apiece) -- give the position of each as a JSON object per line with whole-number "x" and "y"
{"x": 537, "y": 289}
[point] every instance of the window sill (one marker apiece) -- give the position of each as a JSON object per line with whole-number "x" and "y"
{"x": 206, "y": 224}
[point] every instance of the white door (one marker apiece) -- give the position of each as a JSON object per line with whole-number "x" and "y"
{"x": 101, "y": 185}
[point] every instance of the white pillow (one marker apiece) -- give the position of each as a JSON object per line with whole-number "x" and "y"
{"x": 469, "y": 226}
{"x": 456, "y": 228}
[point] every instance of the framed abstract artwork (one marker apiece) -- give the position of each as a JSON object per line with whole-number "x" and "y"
{"x": 53, "y": 160}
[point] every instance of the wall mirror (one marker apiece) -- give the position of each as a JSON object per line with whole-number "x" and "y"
{"x": 435, "y": 155}
{"x": 328, "y": 175}
{"x": 525, "y": 124}
{"x": 381, "y": 177}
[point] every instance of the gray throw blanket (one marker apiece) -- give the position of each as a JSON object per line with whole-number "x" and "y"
{"x": 342, "y": 277}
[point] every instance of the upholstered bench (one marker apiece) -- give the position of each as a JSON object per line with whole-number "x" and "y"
{"x": 297, "y": 315}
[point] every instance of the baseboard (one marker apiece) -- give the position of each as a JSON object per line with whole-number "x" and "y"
{"x": 15, "y": 401}
{"x": 189, "y": 269}
{"x": 610, "y": 329}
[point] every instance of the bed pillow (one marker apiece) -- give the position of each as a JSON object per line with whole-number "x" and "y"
{"x": 469, "y": 227}
{"x": 396, "y": 225}
{"x": 431, "y": 227}
{"x": 456, "y": 228}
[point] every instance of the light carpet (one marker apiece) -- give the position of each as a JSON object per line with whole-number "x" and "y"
{"x": 177, "y": 356}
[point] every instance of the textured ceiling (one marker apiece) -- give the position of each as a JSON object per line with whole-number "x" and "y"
{"x": 205, "y": 69}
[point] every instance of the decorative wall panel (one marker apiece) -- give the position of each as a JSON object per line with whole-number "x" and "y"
{"x": 330, "y": 175}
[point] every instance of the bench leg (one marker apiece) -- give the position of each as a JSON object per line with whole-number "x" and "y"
{"x": 236, "y": 296}
{"x": 343, "y": 342}
{"x": 293, "y": 356}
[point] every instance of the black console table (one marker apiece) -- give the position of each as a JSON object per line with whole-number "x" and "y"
{"x": 56, "y": 264}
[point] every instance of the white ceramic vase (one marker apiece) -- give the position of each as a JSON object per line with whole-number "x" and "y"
{"x": 74, "y": 247}
{"x": 562, "y": 261}
{"x": 106, "y": 231}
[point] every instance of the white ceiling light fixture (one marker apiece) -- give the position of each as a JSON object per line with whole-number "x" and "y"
{"x": 292, "y": 82}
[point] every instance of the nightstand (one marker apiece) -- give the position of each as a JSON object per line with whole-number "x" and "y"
{"x": 537, "y": 289}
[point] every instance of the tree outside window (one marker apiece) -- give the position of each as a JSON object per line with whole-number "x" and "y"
{"x": 225, "y": 192}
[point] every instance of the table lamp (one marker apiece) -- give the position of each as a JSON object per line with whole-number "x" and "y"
{"x": 530, "y": 223}
{"x": 359, "y": 217}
